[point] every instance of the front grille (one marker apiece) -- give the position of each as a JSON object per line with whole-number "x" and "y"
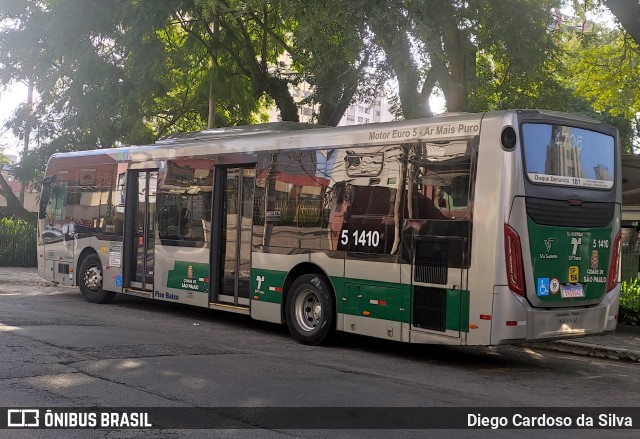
{"x": 561, "y": 213}
{"x": 430, "y": 308}
{"x": 432, "y": 261}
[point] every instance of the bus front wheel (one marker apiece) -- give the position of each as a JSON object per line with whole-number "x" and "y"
{"x": 90, "y": 281}
{"x": 309, "y": 310}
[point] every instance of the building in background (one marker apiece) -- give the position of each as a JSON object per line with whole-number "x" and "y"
{"x": 31, "y": 193}
{"x": 356, "y": 114}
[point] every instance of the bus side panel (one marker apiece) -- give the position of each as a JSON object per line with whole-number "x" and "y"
{"x": 181, "y": 274}
{"x": 268, "y": 274}
{"x": 333, "y": 267}
{"x": 110, "y": 254}
{"x": 495, "y": 175}
{"x": 372, "y": 299}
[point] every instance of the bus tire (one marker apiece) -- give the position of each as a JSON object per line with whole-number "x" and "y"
{"x": 90, "y": 281}
{"x": 309, "y": 310}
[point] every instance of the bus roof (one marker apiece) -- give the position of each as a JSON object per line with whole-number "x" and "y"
{"x": 246, "y": 141}
{"x": 219, "y": 133}
{"x": 287, "y": 135}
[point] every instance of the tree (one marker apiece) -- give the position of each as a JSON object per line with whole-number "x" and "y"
{"x": 22, "y": 56}
{"x": 603, "y": 71}
{"x": 439, "y": 42}
{"x": 107, "y": 74}
{"x": 392, "y": 32}
{"x": 332, "y": 53}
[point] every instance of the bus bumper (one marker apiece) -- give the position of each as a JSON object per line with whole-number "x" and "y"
{"x": 516, "y": 321}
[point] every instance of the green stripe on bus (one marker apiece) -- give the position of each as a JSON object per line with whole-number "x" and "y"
{"x": 457, "y": 314}
{"x": 380, "y": 300}
{"x": 266, "y": 285}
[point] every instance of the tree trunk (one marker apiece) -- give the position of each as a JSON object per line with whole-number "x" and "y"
{"x": 278, "y": 89}
{"x": 460, "y": 54}
{"x": 14, "y": 206}
{"x": 393, "y": 39}
{"x": 27, "y": 134}
{"x": 211, "y": 120}
{"x": 332, "y": 110}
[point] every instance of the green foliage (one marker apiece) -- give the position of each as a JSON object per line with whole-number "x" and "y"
{"x": 604, "y": 68}
{"x": 629, "y": 313}
{"x": 185, "y": 106}
{"x": 331, "y": 52}
{"x": 517, "y": 63}
{"x": 17, "y": 243}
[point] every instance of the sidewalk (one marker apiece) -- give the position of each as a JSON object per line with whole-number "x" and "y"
{"x": 22, "y": 276}
{"x": 623, "y": 344}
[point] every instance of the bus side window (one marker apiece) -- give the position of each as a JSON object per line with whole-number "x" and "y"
{"x": 363, "y": 219}
{"x": 295, "y": 184}
{"x": 460, "y": 190}
{"x": 438, "y": 185}
{"x": 44, "y": 198}
{"x": 424, "y": 207}
{"x": 56, "y": 209}
{"x": 184, "y": 202}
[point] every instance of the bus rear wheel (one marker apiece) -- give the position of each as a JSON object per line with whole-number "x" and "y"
{"x": 309, "y": 310}
{"x": 90, "y": 281}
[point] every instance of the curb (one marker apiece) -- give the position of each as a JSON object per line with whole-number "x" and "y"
{"x": 580, "y": 348}
{"x": 23, "y": 276}
{"x": 28, "y": 283}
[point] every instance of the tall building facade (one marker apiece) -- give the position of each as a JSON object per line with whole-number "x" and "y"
{"x": 358, "y": 113}
{"x": 563, "y": 154}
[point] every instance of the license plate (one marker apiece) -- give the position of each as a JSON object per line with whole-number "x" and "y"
{"x": 570, "y": 291}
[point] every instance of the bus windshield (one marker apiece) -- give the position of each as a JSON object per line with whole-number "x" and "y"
{"x": 570, "y": 156}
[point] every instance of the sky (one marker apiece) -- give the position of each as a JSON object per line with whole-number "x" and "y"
{"x": 10, "y": 98}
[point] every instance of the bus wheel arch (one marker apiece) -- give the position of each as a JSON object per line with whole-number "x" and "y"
{"x": 89, "y": 278}
{"x": 309, "y": 304}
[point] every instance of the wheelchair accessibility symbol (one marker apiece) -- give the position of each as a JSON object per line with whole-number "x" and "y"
{"x": 543, "y": 286}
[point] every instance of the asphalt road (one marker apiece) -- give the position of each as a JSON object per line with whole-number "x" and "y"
{"x": 58, "y": 350}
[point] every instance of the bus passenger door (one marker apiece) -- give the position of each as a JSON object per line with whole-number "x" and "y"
{"x": 232, "y": 224}
{"x": 436, "y": 239}
{"x": 140, "y": 222}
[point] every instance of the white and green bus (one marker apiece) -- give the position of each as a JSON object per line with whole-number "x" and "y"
{"x": 472, "y": 229}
